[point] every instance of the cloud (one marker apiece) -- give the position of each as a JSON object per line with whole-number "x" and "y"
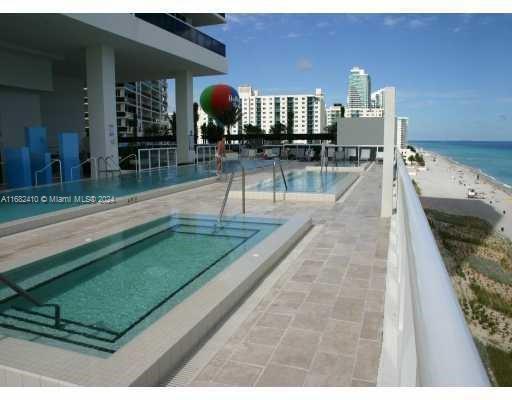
{"x": 323, "y": 24}
{"x": 502, "y": 117}
{"x": 421, "y": 22}
{"x": 304, "y": 64}
{"x": 293, "y": 35}
{"x": 390, "y": 20}
{"x": 412, "y": 22}
{"x": 418, "y": 99}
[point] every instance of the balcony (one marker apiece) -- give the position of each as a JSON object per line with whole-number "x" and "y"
{"x": 175, "y": 26}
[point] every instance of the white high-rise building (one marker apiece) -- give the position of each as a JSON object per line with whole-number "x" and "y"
{"x": 306, "y": 112}
{"x": 364, "y": 113}
{"x": 359, "y": 88}
{"x": 377, "y": 99}
{"x": 332, "y": 113}
{"x": 402, "y": 125}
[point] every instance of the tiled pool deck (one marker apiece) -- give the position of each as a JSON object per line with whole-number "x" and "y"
{"x": 318, "y": 322}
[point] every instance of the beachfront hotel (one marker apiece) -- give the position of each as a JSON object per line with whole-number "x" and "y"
{"x": 290, "y": 271}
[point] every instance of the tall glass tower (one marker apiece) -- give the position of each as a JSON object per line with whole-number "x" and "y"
{"x": 359, "y": 88}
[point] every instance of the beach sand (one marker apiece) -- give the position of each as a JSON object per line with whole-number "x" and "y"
{"x": 444, "y": 186}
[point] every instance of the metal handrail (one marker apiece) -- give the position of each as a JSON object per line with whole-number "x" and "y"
{"x": 48, "y": 166}
{"x": 89, "y": 160}
{"x": 226, "y": 194}
{"x": 108, "y": 160}
{"x": 230, "y": 182}
{"x": 434, "y": 338}
{"x": 126, "y": 158}
{"x": 274, "y": 177}
{"x": 23, "y": 293}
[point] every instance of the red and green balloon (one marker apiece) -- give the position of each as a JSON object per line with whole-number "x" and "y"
{"x": 218, "y": 101}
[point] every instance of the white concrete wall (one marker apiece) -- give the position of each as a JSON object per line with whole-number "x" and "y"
{"x": 21, "y": 70}
{"x": 18, "y": 109}
{"x": 63, "y": 109}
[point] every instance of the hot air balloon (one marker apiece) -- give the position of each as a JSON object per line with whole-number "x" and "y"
{"x": 221, "y": 102}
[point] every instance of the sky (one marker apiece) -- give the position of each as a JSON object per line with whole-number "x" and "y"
{"x": 452, "y": 72}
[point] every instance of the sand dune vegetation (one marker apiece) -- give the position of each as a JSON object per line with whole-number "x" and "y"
{"x": 480, "y": 264}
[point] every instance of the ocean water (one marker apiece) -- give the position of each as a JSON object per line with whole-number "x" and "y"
{"x": 492, "y": 158}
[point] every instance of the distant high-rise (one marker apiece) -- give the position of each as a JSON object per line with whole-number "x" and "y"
{"x": 402, "y": 124}
{"x": 377, "y": 99}
{"x": 359, "y": 88}
{"x": 333, "y": 112}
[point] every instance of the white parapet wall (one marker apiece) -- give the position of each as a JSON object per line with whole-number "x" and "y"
{"x": 426, "y": 341}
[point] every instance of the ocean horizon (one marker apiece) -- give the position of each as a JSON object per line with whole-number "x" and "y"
{"x": 493, "y": 158}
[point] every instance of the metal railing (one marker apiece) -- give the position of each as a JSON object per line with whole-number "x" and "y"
{"x": 277, "y": 161}
{"x": 128, "y": 157}
{"x": 94, "y": 167}
{"x": 429, "y": 342}
{"x": 156, "y": 164}
{"x": 205, "y": 153}
{"x": 23, "y": 293}
{"x": 173, "y": 25}
{"x": 49, "y": 165}
{"x": 228, "y": 188}
{"x": 107, "y": 162}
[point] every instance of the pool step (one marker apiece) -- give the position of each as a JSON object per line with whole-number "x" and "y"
{"x": 42, "y": 325}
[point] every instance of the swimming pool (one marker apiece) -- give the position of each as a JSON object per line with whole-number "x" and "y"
{"x": 303, "y": 181}
{"x": 112, "y": 289}
{"x": 34, "y": 201}
{"x": 302, "y": 185}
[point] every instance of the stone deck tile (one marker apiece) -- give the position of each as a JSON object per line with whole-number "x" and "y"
{"x": 334, "y": 290}
{"x": 323, "y": 325}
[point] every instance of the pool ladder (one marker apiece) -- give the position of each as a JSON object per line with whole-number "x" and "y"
{"x": 228, "y": 188}
{"x": 23, "y": 293}
{"x": 277, "y": 161}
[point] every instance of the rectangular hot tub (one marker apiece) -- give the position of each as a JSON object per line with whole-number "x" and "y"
{"x": 114, "y": 293}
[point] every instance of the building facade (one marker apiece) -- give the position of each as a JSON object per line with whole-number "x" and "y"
{"x": 377, "y": 99}
{"x": 364, "y": 113}
{"x": 48, "y": 59}
{"x": 402, "y": 126}
{"x": 305, "y": 112}
{"x": 359, "y": 88}
{"x": 141, "y": 108}
{"x": 332, "y": 113}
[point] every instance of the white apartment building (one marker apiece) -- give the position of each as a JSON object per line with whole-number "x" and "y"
{"x": 140, "y": 106}
{"x": 377, "y": 99}
{"x": 364, "y": 113}
{"x": 402, "y": 125}
{"x": 48, "y": 60}
{"x": 306, "y": 112}
{"x": 332, "y": 113}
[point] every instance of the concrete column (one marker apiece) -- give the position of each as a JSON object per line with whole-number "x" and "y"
{"x": 101, "y": 93}
{"x": 184, "y": 117}
{"x": 389, "y": 152}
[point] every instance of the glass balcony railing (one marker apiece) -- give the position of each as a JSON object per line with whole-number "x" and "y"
{"x": 182, "y": 29}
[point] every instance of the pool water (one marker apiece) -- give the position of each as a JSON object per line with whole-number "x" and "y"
{"x": 303, "y": 181}
{"x": 115, "y": 185}
{"x": 111, "y": 289}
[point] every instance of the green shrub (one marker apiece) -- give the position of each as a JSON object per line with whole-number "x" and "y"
{"x": 501, "y": 365}
{"x": 491, "y": 300}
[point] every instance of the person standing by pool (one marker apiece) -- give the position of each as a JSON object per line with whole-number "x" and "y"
{"x": 219, "y": 153}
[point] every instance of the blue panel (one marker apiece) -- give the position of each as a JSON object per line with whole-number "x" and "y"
{"x": 37, "y": 143}
{"x": 69, "y": 146}
{"x": 17, "y": 166}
